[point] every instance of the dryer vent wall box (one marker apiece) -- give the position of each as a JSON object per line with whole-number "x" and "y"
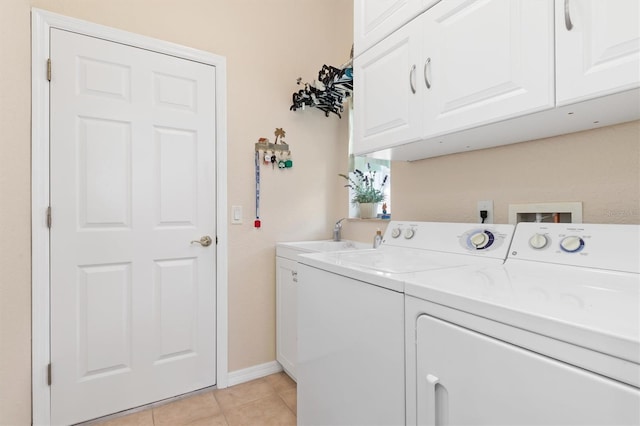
{"x": 569, "y": 212}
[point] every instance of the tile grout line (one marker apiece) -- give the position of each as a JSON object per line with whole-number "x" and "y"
{"x": 287, "y": 405}
{"x": 226, "y": 420}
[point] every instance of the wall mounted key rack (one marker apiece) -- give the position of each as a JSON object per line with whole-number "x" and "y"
{"x": 276, "y": 154}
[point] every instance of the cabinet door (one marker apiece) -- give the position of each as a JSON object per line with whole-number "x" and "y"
{"x": 287, "y": 314}
{"x": 464, "y": 377}
{"x": 486, "y": 61}
{"x": 375, "y": 19}
{"x": 597, "y": 48}
{"x": 387, "y": 106}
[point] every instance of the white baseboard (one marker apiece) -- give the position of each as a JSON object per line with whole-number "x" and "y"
{"x": 252, "y": 373}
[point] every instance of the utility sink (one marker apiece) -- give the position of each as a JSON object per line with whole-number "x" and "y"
{"x": 291, "y": 249}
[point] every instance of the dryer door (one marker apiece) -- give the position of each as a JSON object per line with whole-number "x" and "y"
{"x": 464, "y": 377}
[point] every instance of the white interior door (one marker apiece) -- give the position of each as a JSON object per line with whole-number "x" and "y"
{"x": 132, "y": 184}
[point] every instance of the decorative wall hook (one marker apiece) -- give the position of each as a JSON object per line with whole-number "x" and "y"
{"x": 274, "y": 153}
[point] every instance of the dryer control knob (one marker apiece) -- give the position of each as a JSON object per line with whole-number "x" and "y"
{"x": 572, "y": 244}
{"x": 409, "y": 233}
{"x": 481, "y": 240}
{"x": 538, "y": 241}
{"x": 395, "y": 232}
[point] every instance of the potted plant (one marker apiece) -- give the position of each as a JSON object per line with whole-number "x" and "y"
{"x": 366, "y": 192}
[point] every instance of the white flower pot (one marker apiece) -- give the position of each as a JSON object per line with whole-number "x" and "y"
{"x": 368, "y": 210}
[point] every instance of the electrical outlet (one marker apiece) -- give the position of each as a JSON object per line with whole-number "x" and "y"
{"x": 488, "y": 206}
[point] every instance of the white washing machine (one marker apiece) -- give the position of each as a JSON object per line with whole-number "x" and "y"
{"x": 351, "y": 360}
{"x": 552, "y": 337}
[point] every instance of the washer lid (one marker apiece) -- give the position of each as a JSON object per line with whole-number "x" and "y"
{"x": 595, "y": 309}
{"x": 388, "y": 266}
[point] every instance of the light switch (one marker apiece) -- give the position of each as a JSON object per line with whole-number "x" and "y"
{"x": 236, "y": 215}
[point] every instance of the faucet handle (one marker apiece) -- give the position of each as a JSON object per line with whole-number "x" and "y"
{"x": 336, "y": 230}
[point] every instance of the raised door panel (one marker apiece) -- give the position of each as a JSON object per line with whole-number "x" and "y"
{"x": 464, "y": 377}
{"x": 387, "y": 106}
{"x": 486, "y": 61}
{"x": 597, "y": 48}
{"x": 287, "y": 314}
{"x": 376, "y": 19}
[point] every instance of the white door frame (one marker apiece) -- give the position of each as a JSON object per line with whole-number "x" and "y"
{"x": 41, "y": 22}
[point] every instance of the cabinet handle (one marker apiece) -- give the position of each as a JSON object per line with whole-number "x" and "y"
{"x": 567, "y": 16}
{"x": 412, "y": 75}
{"x": 427, "y": 64}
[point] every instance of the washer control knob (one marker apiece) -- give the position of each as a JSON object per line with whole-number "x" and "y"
{"x": 395, "y": 232}
{"x": 409, "y": 233}
{"x": 538, "y": 241}
{"x": 481, "y": 240}
{"x": 572, "y": 244}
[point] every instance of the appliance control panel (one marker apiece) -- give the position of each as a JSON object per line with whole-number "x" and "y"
{"x": 604, "y": 246}
{"x": 462, "y": 238}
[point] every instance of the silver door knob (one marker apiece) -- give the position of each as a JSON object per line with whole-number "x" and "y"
{"x": 204, "y": 241}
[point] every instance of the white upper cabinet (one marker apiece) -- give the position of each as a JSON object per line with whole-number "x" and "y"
{"x": 598, "y": 48}
{"x": 376, "y": 19}
{"x": 484, "y": 61}
{"x": 472, "y": 74}
{"x": 387, "y": 105}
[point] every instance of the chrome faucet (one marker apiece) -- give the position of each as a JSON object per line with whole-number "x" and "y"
{"x": 337, "y": 229}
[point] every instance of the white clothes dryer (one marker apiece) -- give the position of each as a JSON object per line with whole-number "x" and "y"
{"x": 551, "y": 337}
{"x": 351, "y": 317}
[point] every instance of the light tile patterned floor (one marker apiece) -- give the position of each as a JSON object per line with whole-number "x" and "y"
{"x": 267, "y": 401}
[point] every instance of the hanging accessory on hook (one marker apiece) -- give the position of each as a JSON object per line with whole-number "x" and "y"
{"x": 327, "y": 93}
{"x": 288, "y": 163}
{"x": 256, "y": 222}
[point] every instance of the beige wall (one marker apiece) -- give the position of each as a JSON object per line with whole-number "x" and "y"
{"x": 268, "y": 44}
{"x": 600, "y": 168}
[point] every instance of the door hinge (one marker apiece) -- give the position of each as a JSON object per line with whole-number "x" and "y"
{"x": 49, "y": 374}
{"x": 49, "y": 217}
{"x": 216, "y": 240}
{"x": 49, "y": 69}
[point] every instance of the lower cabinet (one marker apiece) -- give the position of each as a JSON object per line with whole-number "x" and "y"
{"x": 286, "y": 314}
